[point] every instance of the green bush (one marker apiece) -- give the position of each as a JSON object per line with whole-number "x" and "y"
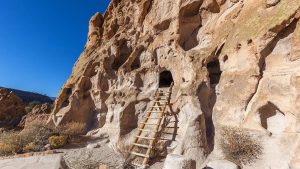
{"x": 239, "y": 146}
{"x": 57, "y": 141}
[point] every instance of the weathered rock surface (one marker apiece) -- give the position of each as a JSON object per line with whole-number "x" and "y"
{"x": 42, "y": 162}
{"x": 11, "y": 108}
{"x": 174, "y": 161}
{"x": 233, "y": 63}
{"x": 270, "y": 3}
{"x": 39, "y": 114}
{"x": 41, "y": 109}
{"x": 222, "y": 164}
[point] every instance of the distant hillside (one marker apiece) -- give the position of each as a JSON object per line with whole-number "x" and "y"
{"x": 31, "y": 96}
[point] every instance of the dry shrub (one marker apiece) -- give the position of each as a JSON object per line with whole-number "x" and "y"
{"x": 57, "y": 141}
{"x": 10, "y": 143}
{"x": 29, "y": 147}
{"x": 6, "y": 149}
{"x": 239, "y": 146}
{"x": 73, "y": 129}
{"x": 36, "y": 136}
{"x": 33, "y": 138}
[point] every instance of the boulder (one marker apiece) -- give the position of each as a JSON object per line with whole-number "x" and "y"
{"x": 39, "y": 114}
{"x": 221, "y": 164}
{"x": 174, "y": 161}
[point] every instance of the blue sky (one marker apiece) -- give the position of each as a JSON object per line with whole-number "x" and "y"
{"x": 40, "y": 40}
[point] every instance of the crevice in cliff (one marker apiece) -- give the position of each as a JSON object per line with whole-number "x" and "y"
{"x": 207, "y": 92}
{"x": 114, "y": 27}
{"x": 268, "y": 49}
{"x": 214, "y": 71}
{"x": 147, "y": 5}
{"x": 207, "y": 98}
{"x": 66, "y": 93}
{"x": 136, "y": 63}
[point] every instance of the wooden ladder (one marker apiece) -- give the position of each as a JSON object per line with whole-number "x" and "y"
{"x": 150, "y": 125}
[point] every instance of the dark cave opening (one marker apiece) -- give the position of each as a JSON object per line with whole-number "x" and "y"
{"x": 124, "y": 52}
{"x": 165, "y": 79}
{"x": 136, "y": 64}
{"x": 215, "y": 72}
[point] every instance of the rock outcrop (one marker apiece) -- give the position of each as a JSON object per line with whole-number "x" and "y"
{"x": 12, "y": 108}
{"x": 39, "y": 114}
{"x": 233, "y": 63}
{"x": 178, "y": 162}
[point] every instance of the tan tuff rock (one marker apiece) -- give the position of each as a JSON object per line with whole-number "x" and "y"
{"x": 233, "y": 65}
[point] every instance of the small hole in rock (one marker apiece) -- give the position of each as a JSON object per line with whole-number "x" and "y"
{"x": 249, "y": 41}
{"x": 215, "y": 72}
{"x": 225, "y": 58}
{"x": 238, "y": 46}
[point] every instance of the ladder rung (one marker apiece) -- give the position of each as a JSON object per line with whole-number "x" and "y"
{"x": 160, "y": 101}
{"x": 171, "y": 127}
{"x": 147, "y": 138}
{"x": 156, "y": 111}
{"x": 170, "y": 133}
{"x": 142, "y": 145}
{"x": 138, "y": 165}
{"x": 164, "y": 95}
{"x": 164, "y": 99}
{"x": 147, "y": 130}
{"x": 139, "y": 154}
{"x": 154, "y": 117}
{"x": 149, "y": 124}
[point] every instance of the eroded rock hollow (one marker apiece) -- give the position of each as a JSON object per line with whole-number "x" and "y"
{"x": 234, "y": 63}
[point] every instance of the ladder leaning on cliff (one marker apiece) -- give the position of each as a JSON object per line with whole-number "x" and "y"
{"x": 148, "y": 129}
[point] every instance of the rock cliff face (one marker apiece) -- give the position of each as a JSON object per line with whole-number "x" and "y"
{"x": 235, "y": 64}
{"x": 12, "y": 108}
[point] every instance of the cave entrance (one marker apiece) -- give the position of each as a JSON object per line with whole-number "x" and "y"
{"x": 165, "y": 79}
{"x": 215, "y": 72}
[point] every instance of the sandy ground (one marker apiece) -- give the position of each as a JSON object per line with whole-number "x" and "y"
{"x": 74, "y": 156}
